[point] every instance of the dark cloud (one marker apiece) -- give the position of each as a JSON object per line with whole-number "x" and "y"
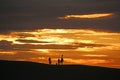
{"x": 35, "y": 14}
{"x": 48, "y": 46}
{"x": 31, "y": 41}
{"x": 90, "y": 45}
{"x": 24, "y": 35}
{"x": 5, "y": 45}
{"x": 8, "y": 46}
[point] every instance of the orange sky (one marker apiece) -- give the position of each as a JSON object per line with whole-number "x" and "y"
{"x": 79, "y": 46}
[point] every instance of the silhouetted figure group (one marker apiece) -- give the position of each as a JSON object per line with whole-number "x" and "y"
{"x": 59, "y": 61}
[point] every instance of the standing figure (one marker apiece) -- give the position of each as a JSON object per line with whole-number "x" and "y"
{"x": 62, "y": 60}
{"x": 59, "y": 61}
{"x": 49, "y": 60}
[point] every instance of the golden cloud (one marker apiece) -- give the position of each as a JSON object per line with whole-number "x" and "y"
{"x": 86, "y": 61}
{"x": 93, "y": 55}
{"x": 87, "y": 16}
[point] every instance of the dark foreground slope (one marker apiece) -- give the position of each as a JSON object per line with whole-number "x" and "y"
{"x": 16, "y": 70}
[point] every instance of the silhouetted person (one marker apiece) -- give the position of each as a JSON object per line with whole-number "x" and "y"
{"x": 49, "y": 59}
{"x": 61, "y": 61}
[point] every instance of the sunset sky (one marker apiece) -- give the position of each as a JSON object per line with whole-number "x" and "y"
{"x": 84, "y": 31}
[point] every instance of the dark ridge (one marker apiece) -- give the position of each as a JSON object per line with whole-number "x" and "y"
{"x": 21, "y": 70}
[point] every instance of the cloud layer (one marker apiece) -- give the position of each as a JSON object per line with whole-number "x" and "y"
{"x": 79, "y": 46}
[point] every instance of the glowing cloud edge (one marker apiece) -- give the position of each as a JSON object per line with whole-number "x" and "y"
{"x": 87, "y": 16}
